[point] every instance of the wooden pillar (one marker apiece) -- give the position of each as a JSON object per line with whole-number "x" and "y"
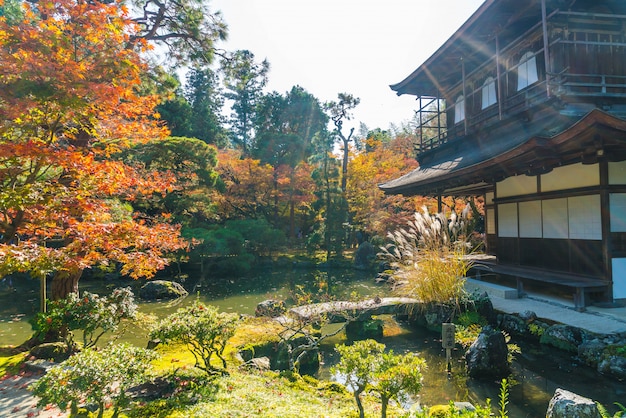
{"x": 499, "y": 77}
{"x": 606, "y": 224}
{"x": 464, "y": 98}
{"x": 546, "y": 45}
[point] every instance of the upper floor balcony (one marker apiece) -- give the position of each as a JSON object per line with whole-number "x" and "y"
{"x": 573, "y": 59}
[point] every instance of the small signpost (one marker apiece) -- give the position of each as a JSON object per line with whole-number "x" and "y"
{"x": 448, "y": 342}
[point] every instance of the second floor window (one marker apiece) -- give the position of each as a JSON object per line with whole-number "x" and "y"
{"x": 489, "y": 93}
{"x": 459, "y": 110}
{"x": 527, "y": 71}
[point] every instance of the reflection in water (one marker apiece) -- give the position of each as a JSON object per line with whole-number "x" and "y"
{"x": 536, "y": 373}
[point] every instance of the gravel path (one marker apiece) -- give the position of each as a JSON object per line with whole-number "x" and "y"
{"x": 16, "y": 401}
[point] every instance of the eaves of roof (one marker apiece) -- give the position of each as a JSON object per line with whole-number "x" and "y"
{"x": 528, "y": 148}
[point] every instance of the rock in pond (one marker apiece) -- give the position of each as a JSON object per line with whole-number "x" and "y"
{"x": 271, "y": 308}
{"x": 613, "y": 365}
{"x": 566, "y": 404}
{"x": 162, "y": 289}
{"x": 487, "y": 357}
{"x": 564, "y": 337}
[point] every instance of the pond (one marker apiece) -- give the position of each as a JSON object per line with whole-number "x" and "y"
{"x": 536, "y": 372}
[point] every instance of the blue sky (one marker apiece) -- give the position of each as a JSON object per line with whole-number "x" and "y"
{"x": 353, "y": 46}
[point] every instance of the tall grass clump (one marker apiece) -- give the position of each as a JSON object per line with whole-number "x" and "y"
{"x": 428, "y": 258}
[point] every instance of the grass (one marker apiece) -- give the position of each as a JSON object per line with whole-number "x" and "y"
{"x": 269, "y": 394}
{"x": 10, "y": 360}
{"x": 244, "y": 393}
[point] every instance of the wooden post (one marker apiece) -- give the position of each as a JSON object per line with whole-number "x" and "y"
{"x": 448, "y": 342}
{"x": 43, "y": 292}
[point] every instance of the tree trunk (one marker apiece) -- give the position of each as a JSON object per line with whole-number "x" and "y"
{"x": 344, "y": 164}
{"x": 357, "y": 397}
{"x": 65, "y": 282}
{"x": 384, "y": 402}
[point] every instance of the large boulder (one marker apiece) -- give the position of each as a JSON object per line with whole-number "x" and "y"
{"x": 488, "y": 356}
{"x": 162, "y": 289}
{"x": 432, "y": 315}
{"x": 566, "y": 404}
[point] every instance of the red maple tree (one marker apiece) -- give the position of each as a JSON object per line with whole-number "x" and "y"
{"x": 69, "y": 105}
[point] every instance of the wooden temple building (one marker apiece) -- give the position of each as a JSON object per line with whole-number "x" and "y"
{"x": 526, "y": 105}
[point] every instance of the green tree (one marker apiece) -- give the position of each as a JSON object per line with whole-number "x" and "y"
{"x": 206, "y": 99}
{"x": 174, "y": 108}
{"x": 11, "y": 11}
{"x": 244, "y": 80}
{"x": 203, "y": 330}
{"x": 341, "y": 111}
{"x": 330, "y": 205}
{"x": 366, "y": 366}
{"x": 285, "y": 128}
{"x": 188, "y": 29}
{"x": 259, "y": 236}
{"x": 90, "y": 313}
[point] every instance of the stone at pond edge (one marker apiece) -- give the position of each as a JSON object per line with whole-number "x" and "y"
{"x": 614, "y": 366}
{"x": 528, "y": 316}
{"x": 365, "y": 256}
{"x": 514, "y": 325}
{"x": 278, "y": 355}
{"x": 590, "y": 352}
{"x": 362, "y": 330}
{"x": 487, "y": 357}
{"x": 162, "y": 289}
{"x": 50, "y": 351}
{"x": 566, "y": 404}
{"x": 257, "y": 363}
{"x": 564, "y": 337}
{"x": 270, "y": 308}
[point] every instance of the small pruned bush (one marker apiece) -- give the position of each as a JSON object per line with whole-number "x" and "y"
{"x": 90, "y": 313}
{"x": 96, "y": 377}
{"x": 203, "y": 330}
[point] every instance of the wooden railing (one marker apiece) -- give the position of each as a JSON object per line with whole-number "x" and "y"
{"x": 597, "y": 39}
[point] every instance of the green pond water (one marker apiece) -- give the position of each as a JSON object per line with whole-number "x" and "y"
{"x": 536, "y": 374}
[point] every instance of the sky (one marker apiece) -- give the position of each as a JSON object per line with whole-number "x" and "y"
{"x": 358, "y": 47}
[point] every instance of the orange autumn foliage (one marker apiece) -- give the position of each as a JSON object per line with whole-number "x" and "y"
{"x": 69, "y": 103}
{"x": 251, "y": 189}
{"x": 371, "y": 209}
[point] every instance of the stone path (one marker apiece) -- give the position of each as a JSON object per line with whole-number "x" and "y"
{"x": 593, "y": 319}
